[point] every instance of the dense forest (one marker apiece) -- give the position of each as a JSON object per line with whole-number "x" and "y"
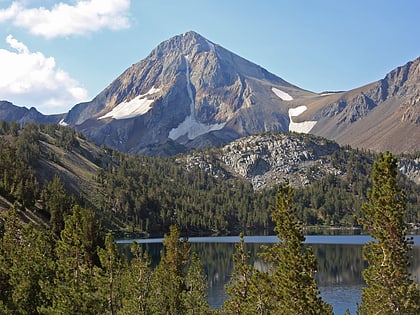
{"x": 76, "y": 268}
{"x": 144, "y": 196}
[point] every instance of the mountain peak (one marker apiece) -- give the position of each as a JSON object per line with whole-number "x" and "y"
{"x": 191, "y": 93}
{"x": 189, "y": 43}
{"x": 192, "y": 35}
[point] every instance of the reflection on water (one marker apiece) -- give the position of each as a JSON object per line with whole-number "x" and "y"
{"x": 340, "y": 265}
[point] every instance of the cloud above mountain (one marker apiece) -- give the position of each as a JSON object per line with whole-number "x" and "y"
{"x": 63, "y": 19}
{"x": 32, "y": 74}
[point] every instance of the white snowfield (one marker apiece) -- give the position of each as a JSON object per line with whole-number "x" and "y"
{"x": 138, "y": 106}
{"x": 293, "y": 112}
{"x": 62, "y": 123}
{"x": 190, "y": 126}
{"x": 302, "y": 127}
{"x": 283, "y": 95}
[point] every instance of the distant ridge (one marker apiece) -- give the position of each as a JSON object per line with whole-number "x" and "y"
{"x": 21, "y": 115}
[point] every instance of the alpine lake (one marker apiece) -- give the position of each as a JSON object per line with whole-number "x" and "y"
{"x": 339, "y": 257}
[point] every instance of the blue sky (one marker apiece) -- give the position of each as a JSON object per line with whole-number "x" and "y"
{"x": 54, "y": 54}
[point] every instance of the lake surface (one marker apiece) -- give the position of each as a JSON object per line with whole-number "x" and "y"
{"x": 340, "y": 263}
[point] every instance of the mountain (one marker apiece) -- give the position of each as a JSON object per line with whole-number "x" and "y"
{"x": 381, "y": 116}
{"x": 22, "y": 115}
{"x": 188, "y": 93}
{"x": 191, "y": 93}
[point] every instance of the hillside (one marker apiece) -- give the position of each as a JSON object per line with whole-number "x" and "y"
{"x": 215, "y": 191}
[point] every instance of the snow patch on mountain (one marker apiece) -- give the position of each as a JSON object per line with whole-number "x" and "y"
{"x": 297, "y": 110}
{"x": 138, "y": 106}
{"x": 301, "y": 127}
{"x": 63, "y": 123}
{"x": 283, "y": 95}
{"x": 190, "y": 126}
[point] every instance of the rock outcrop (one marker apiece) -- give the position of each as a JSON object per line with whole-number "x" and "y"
{"x": 270, "y": 158}
{"x": 267, "y": 159}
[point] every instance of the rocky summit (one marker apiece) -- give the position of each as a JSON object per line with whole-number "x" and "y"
{"x": 188, "y": 93}
{"x": 22, "y": 115}
{"x": 192, "y": 93}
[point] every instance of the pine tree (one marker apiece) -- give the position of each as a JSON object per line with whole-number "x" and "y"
{"x": 194, "y": 298}
{"x": 238, "y": 288}
{"x": 168, "y": 282}
{"x": 57, "y": 203}
{"x": 290, "y": 281}
{"x": 389, "y": 290}
{"x": 25, "y": 259}
{"x": 136, "y": 284}
{"x": 111, "y": 266}
{"x": 9, "y": 243}
{"x": 75, "y": 290}
{"x": 32, "y": 262}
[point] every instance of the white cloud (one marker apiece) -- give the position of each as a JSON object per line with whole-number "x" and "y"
{"x": 63, "y": 19}
{"x": 32, "y": 79}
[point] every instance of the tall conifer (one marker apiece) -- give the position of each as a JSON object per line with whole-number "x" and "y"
{"x": 291, "y": 282}
{"x": 390, "y": 289}
{"x": 194, "y": 298}
{"x": 136, "y": 284}
{"x": 75, "y": 291}
{"x": 26, "y": 255}
{"x": 168, "y": 282}
{"x": 111, "y": 267}
{"x": 238, "y": 288}
{"x": 57, "y": 203}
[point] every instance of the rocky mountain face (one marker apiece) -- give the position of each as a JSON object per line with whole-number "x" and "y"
{"x": 191, "y": 93}
{"x": 188, "y": 93}
{"x": 411, "y": 168}
{"x": 384, "y": 115}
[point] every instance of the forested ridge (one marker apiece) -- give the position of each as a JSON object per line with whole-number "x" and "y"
{"x": 143, "y": 196}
